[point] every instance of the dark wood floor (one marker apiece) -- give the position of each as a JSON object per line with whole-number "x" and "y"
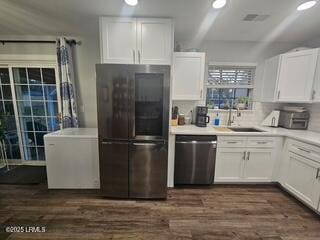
{"x": 222, "y": 213}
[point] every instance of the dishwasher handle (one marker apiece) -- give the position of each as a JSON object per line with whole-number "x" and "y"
{"x": 198, "y": 142}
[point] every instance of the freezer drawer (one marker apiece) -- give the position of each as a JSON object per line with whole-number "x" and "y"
{"x": 148, "y": 170}
{"x": 114, "y": 169}
{"x": 195, "y": 159}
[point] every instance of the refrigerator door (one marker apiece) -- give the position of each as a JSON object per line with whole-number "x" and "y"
{"x": 149, "y": 102}
{"x": 112, "y": 101}
{"x": 114, "y": 169}
{"x": 148, "y": 170}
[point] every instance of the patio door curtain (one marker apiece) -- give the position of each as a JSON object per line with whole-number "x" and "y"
{"x": 69, "y": 115}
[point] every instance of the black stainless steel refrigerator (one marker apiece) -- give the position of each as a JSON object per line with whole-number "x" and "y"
{"x": 133, "y": 120}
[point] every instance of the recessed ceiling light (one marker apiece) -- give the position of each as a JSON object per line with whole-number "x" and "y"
{"x": 306, "y": 5}
{"x": 219, "y": 4}
{"x": 131, "y": 2}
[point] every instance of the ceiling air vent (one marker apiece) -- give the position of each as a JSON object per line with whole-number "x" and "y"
{"x": 255, "y": 17}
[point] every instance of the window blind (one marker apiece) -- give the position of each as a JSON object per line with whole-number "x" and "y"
{"x": 230, "y": 76}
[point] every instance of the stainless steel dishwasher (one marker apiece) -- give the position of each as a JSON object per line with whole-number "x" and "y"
{"x": 195, "y": 158}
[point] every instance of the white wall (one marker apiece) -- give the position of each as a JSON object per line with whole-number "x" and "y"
{"x": 86, "y": 56}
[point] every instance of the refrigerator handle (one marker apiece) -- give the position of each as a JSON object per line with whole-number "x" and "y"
{"x": 131, "y": 108}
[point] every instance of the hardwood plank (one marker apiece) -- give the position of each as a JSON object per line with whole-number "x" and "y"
{"x": 218, "y": 212}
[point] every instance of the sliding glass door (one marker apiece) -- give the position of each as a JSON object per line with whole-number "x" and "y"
{"x": 29, "y": 98}
{"x": 8, "y": 129}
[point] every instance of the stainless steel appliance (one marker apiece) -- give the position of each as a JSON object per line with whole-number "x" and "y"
{"x": 201, "y": 116}
{"x": 133, "y": 119}
{"x": 195, "y": 158}
{"x": 294, "y": 120}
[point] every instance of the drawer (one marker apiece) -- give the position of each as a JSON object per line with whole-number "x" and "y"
{"x": 232, "y": 142}
{"x": 260, "y": 142}
{"x": 304, "y": 149}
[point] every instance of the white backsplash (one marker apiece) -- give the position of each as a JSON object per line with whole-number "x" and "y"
{"x": 253, "y": 117}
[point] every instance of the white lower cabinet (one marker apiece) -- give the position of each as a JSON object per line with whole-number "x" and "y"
{"x": 302, "y": 179}
{"x": 229, "y": 165}
{"x": 259, "y": 165}
{"x": 244, "y": 164}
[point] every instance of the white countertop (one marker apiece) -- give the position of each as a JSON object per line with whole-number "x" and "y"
{"x": 301, "y": 135}
{"x": 75, "y": 133}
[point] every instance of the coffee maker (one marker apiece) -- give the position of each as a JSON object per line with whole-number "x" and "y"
{"x": 201, "y": 116}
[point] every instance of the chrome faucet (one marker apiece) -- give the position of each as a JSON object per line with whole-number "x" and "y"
{"x": 230, "y": 121}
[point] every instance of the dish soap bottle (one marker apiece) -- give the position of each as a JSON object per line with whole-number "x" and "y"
{"x": 217, "y": 120}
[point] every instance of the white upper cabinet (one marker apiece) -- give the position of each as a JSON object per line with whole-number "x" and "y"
{"x": 188, "y": 75}
{"x": 316, "y": 86}
{"x": 296, "y": 76}
{"x": 290, "y": 77}
{"x": 136, "y": 41}
{"x": 155, "y": 41}
{"x": 118, "y": 40}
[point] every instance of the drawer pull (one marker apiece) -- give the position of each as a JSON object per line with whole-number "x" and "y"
{"x": 262, "y": 142}
{"x": 304, "y": 150}
{"x": 232, "y": 142}
{"x": 318, "y": 173}
{"x": 248, "y": 156}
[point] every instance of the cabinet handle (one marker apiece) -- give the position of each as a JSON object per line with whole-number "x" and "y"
{"x": 244, "y": 155}
{"x": 313, "y": 94}
{"x": 232, "y": 142}
{"x": 318, "y": 173}
{"x": 248, "y": 156}
{"x": 278, "y": 94}
{"x": 139, "y": 56}
{"x": 262, "y": 142}
{"x": 304, "y": 150}
{"x": 134, "y": 56}
{"x": 201, "y": 93}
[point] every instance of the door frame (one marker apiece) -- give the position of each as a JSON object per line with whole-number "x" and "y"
{"x": 11, "y": 61}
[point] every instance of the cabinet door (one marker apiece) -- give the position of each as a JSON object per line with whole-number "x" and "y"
{"x": 302, "y": 179}
{"x": 155, "y": 41}
{"x": 316, "y": 86}
{"x": 118, "y": 40}
{"x": 259, "y": 165}
{"x": 270, "y": 79}
{"x": 229, "y": 165}
{"x": 188, "y": 76}
{"x": 296, "y": 76}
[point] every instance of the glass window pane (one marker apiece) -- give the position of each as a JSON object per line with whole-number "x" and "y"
{"x": 39, "y": 138}
{"x": 6, "y": 92}
{"x": 49, "y": 76}
{"x": 8, "y": 106}
{"x": 28, "y": 138}
{"x": 24, "y": 108}
{"x": 22, "y": 92}
{"x": 40, "y": 124}
{"x": 148, "y": 104}
{"x": 53, "y": 124}
{"x": 26, "y": 124}
{"x": 20, "y": 75}
{"x": 52, "y": 108}
{"x": 38, "y": 109}
{"x": 4, "y": 76}
{"x": 50, "y": 93}
{"x": 41, "y": 153}
{"x": 30, "y": 153}
{"x": 34, "y": 75}
{"x": 36, "y": 92}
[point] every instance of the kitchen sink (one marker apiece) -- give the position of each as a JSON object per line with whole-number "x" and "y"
{"x": 240, "y": 129}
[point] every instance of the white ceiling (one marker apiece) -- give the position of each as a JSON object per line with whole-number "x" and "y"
{"x": 194, "y": 19}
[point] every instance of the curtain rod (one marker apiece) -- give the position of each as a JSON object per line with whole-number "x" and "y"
{"x": 71, "y": 41}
